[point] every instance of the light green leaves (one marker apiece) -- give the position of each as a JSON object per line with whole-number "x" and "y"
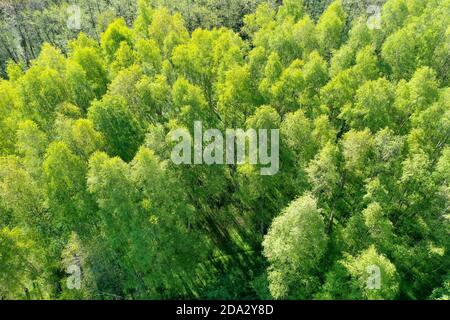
{"x": 294, "y": 247}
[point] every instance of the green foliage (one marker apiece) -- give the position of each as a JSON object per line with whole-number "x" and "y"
{"x": 121, "y": 130}
{"x": 87, "y": 181}
{"x": 330, "y": 27}
{"x": 18, "y": 263}
{"x": 349, "y": 278}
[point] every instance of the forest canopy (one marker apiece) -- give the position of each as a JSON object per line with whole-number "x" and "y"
{"x": 92, "y": 207}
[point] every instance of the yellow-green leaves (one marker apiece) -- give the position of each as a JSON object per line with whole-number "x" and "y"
{"x": 330, "y": 27}
{"x": 116, "y": 33}
{"x": 373, "y": 276}
{"x": 294, "y": 247}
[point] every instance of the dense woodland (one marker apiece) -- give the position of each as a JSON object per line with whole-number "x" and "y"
{"x": 85, "y": 172}
{"x": 26, "y": 24}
